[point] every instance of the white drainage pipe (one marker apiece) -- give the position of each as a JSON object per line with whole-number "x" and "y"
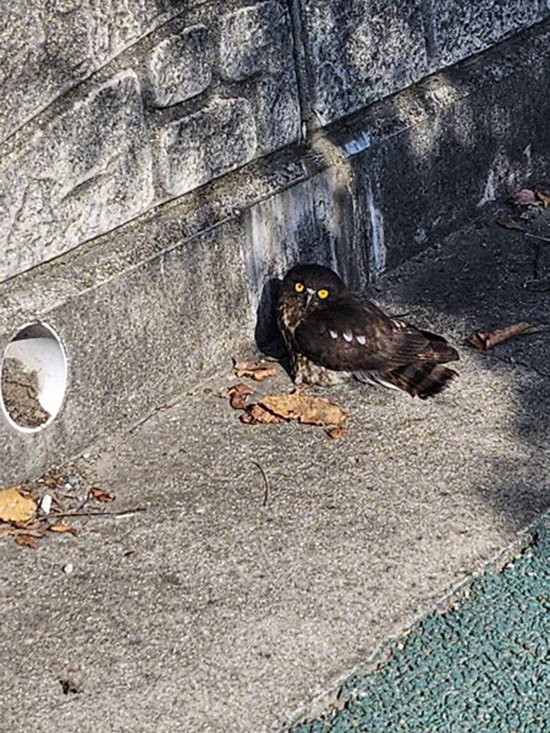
{"x": 40, "y": 354}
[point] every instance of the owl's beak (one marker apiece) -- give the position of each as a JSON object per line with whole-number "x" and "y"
{"x": 309, "y": 297}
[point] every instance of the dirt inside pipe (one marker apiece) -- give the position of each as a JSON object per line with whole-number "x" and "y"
{"x": 20, "y": 394}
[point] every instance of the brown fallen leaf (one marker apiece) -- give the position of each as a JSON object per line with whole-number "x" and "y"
{"x": 336, "y": 433}
{"x": 13, "y": 531}
{"x": 482, "y": 340}
{"x": 101, "y": 495}
{"x": 26, "y": 540}
{"x": 258, "y": 375}
{"x": 305, "y": 409}
{"x": 238, "y": 395}
{"x": 256, "y": 370}
{"x": 258, "y": 415}
{"x": 62, "y": 528}
{"x": 248, "y": 364}
{"x": 50, "y": 481}
{"x": 543, "y": 198}
{"x": 510, "y": 224}
{"x": 15, "y": 506}
{"x": 524, "y": 198}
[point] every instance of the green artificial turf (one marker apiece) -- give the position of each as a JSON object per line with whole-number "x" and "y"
{"x": 483, "y": 667}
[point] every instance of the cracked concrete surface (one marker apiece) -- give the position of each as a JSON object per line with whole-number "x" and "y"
{"x": 213, "y": 612}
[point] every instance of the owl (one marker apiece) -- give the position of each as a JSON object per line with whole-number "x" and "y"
{"x": 332, "y": 334}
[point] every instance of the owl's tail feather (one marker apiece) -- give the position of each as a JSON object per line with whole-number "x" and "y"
{"x": 421, "y": 379}
{"x": 441, "y": 349}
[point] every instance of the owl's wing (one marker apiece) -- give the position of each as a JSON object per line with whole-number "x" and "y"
{"x": 354, "y": 334}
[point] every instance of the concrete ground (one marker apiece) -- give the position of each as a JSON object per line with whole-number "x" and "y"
{"x": 212, "y": 611}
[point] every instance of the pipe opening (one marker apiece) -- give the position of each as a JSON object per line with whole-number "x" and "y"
{"x": 33, "y": 377}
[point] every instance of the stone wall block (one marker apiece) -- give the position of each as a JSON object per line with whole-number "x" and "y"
{"x": 219, "y": 137}
{"x": 179, "y": 68}
{"x": 459, "y": 29}
{"x": 278, "y": 117}
{"x": 250, "y": 40}
{"x": 49, "y": 47}
{"x": 358, "y": 52}
{"x": 256, "y": 46}
{"x": 83, "y": 174}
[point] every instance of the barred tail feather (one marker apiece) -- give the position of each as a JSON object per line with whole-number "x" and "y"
{"x": 421, "y": 379}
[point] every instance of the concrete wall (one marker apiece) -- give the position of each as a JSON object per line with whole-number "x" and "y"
{"x": 162, "y": 161}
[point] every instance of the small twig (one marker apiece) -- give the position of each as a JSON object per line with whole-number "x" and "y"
{"x": 267, "y": 491}
{"x": 536, "y": 236}
{"x": 128, "y": 513}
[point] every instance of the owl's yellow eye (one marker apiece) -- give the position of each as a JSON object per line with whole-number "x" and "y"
{"x": 299, "y": 287}
{"x": 323, "y": 294}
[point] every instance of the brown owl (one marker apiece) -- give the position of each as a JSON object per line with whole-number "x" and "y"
{"x": 332, "y": 334}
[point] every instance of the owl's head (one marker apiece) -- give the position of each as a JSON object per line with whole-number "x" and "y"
{"x": 312, "y": 285}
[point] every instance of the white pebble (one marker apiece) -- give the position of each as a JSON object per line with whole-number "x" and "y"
{"x": 45, "y": 504}
{"x": 68, "y": 568}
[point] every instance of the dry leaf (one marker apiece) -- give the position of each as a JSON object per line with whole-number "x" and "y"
{"x": 247, "y": 365}
{"x": 10, "y": 530}
{"x": 543, "y": 198}
{"x": 101, "y": 495}
{"x": 525, "y": 197}
{"x": 336, "y": 433}
{"x": 258, "y": 375}
{"x": 15, "y": 507}
{"x": 256, "y": 370}
{"x": 26, "y": 540}
{"x": 305, "y": 409}
{"x": 482, "y": 340}
{"x": 238, "y": 395}
{"x": 62, "y": 528}
{"x": 258, "y": 415}
{"x": 510, "y": 224}
{"x": 49, "y": 480}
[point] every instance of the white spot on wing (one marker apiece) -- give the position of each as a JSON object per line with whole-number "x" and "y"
{"x": 348, "y": 336}
{"x": 333, "y": 334}
{"x": 361, "y": 340}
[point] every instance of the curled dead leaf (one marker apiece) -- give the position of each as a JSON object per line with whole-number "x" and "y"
{"x": 51, "y": 481}
{"x": 26, "y": 540}
{"x": 525, "y": 198}
{"x": 256, "y": 370}
{"x": 62, "y": 528}
{"x": 259, "y": 415}
{"x": 543, "y": 198}
{"x": 13, "y": 531}
{"x": 16, "y": 506}
{"x": 483, "y": 340}
{"x": 258, "y": 375}
{"x": 336, "y": 433}
{"x": 101, "y": 495}
{"x": 304, "y": 408}
{"x": 238, "y": 395}
{"x": 510, "y": 224}
{"x": 248, "y": 365}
